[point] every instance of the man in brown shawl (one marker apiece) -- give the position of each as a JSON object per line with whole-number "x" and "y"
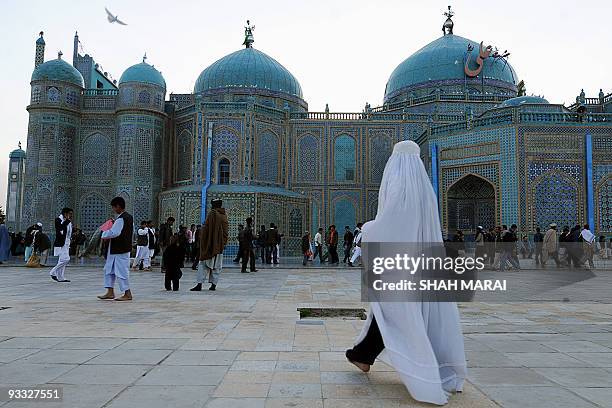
{"x": 213, "y": 238}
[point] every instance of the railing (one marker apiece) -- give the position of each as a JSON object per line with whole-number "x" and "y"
{"x": 101, "y": 92}
{"x": 97, "y": 102}
{"x": 592, "y": 101}
{"x": 493, "y": 98}
{"x": 560, "y": 117}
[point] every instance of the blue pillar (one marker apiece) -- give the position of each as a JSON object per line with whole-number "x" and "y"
{"x": 209, "y": 142}
{"x": 434, "y": 170}
{"x": 588, "y": 155}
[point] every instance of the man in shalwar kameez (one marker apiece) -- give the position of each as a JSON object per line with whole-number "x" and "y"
{"x": 142, "y": 248}
{"x": 213, "y": 238}
{"x": 119, "y": 241}
{"x": 422, "y": 341}
{"x": 61, "y": 246}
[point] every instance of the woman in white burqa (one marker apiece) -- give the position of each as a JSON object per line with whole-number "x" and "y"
{"x": 421, "y": 340}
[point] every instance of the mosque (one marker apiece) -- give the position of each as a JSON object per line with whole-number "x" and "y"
{"x": 246, "y": 135}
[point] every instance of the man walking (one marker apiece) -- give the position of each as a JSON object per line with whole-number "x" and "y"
{"x": 333, "y": 245}
{"x": 63, "y": 234}
{"x": 550, "y": 245}
{"x": 508, "y": 249}
{"x": 142, "y": 248}
{"x": 152, "y": 243}
{"x": 213, "y": 239}
{"x": 538, "y": 240}
{"x": 348, "y": 243}
{"x": 119, "y": 241}
{"x": 272, "y": 240}
{"x": 318, "y": 242}
{"x": 165, "y": 233}
{"x": 246, "y": 242}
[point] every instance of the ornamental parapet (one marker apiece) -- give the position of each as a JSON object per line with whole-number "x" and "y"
{"x": 438, "y": 97}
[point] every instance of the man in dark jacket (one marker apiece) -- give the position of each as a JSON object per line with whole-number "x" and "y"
{"x": 538, "y": 239}
{"x": 272, "y": 240}
{"x": 117, "y": 265}
{"x": 246, "y": 242}
{"x": 306, "y": 251}
{"x": 332, "y": 243}
{"x": 348, "y": 243}
{"x": 165, "y": 233}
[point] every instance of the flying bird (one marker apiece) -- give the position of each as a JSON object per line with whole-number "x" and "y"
{"x": 113, "y": 19}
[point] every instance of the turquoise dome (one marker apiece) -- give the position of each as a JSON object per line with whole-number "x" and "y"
{"x": 521, "y": 100}
{"x": 443, "y": 60}
{"x": 58, "y": 70}
{"x": 143, "y": 73}
{"x": 248, "y": 68}
{"x": 17, "y": 154}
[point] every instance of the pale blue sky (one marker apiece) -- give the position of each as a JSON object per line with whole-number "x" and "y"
{"x": 341, "y": 51}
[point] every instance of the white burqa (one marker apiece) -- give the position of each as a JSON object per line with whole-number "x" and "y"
{"x": 423, "y": 341}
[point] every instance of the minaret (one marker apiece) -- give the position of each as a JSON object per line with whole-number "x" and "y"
{"x": 14, "y": 193}
{"x": 40, "y": 51}
{"x": 75, "y": 50}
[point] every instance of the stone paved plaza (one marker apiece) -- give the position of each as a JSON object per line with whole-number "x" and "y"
{"x": 245, "y": 345}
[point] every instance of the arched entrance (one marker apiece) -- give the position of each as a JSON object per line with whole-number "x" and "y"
{"x": 471, "y": 202}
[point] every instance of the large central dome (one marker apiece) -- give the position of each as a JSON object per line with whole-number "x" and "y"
{"x": 441, "y": 62}
{"x": 248, "y": 68}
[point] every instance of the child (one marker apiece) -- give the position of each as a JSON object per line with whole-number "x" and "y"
{"x": 173, "y": 255}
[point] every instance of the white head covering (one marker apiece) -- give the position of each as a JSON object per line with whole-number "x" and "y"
{"x": 407, "y": 204}
{"x": 423, "y": 341}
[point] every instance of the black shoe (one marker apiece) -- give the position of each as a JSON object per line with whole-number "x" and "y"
{"x": 350, "y": 264}
{"x": 244, "y": 271}
{"x": 54, "y": 278}
{"x": 65, "y": 280}
{"x": 212, "y": 287}
{"x": 196, "y": 288}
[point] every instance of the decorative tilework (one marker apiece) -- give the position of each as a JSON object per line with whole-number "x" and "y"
{"x": 308, "y": 162}
{"x": 93, "y": 212}
{"x": 267, "y": 157}
{"x": 344, "y": 158}
{"x": 603, "y": 204}
{"x": 344, "y": 213}
{"x": 96, "y": 156}
{"x": 295, "y": 223}
{"x": 184, "y": 151}
{"x": 555, "y": 199}
{"x": 225, "y": 144}
{"x": 381, "y": 147}
{"x": 144, "y": 97}
{"x": 53, "y": 95}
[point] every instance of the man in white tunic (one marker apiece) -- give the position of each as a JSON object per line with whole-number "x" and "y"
{"x": 61, "y": 246}
{"x": 421, "y": 340}
{"x": 356, "y": 245}
{"x": 142, "y": 248}
{"x": 119, "y": 241}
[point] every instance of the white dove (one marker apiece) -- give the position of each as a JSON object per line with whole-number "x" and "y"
{"x": 112, "y": 18}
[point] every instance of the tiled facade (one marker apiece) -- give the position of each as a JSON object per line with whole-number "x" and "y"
{"x": 529, "y": 164}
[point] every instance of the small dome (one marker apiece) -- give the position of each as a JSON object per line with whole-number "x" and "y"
{"x": 248, "y": 68}
{"x": 17, "y": 154}
{"x": 143, "y": 73}
{"x": 58, "y": 70}
{"x": 40, "y": 40}
{"x": 443, "y": 60}
{"x": 521, "y": 100}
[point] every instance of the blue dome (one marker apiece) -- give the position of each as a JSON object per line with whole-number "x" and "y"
{"x": 521, "y": 100}
{"x": 17, "y": 154}
{"x": 444, "y": 59}
{"x": 143, "y": 73}
{"x": 58, "y": 70}
{"x": 248, "y": 68}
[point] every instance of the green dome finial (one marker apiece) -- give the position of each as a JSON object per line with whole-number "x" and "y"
{"x": 248, "y": 35}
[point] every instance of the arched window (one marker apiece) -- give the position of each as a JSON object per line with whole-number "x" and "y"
{"x": 308, "y": 159}
{"x": 267, "y": 157}
{"x": 344, "y": 158}
{"x": 224, "y": 171}
{"x": 344, "y": 214}
{"x": 183, "y": 156}
{"x": 555, "y": 200}
{"x": 53, "y": 95}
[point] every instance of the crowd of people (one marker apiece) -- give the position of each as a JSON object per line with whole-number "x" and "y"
{"x": 575, "y": 247}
